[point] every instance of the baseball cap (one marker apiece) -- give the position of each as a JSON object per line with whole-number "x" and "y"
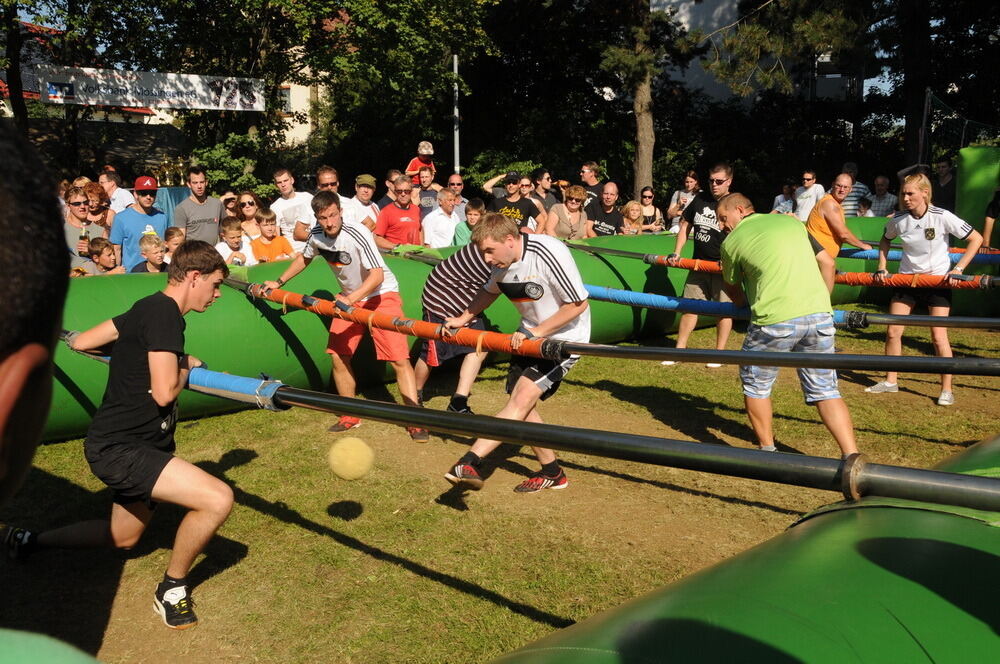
{"x": 512, "y": 178}
{"x": 145, "y": 183}
{"x": 425, "y": 147}
{"x": 366, "y": 180}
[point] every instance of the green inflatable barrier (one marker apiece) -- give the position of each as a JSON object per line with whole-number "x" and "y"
{"x": 877, "y": 580}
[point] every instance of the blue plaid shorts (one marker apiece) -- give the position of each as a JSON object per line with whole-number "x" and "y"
{"x": 805, "y": 334}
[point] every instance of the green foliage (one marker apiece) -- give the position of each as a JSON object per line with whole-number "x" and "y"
{"x": 230, "y": 164}
{"x": 490, "y": 163}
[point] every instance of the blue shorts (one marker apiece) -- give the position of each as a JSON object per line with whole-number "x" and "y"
{"x": 805, "y": 334}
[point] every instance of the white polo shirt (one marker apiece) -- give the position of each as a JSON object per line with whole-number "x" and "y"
{"x": 544, "y": 279}
{"x": 351, "y": 255}
{"x": 439, "y": 228}
{"x": 925, "y": 240}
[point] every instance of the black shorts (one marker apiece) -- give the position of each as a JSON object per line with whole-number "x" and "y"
{"x": 436, "y": 353}
{"x": 546, "y": 374}
{"x": 928, "y": 297}
{"x": 129, "y": 469}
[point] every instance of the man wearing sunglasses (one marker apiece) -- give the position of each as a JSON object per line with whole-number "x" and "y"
{"x": 199, "y": 214}
{"x": 807, "y": 195}
{"x": 700, "y": 218}
{"x": 138, "y": 219}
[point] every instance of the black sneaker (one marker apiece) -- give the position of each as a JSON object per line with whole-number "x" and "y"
{"x": 465, "y": 410}
{"x": 465, "y": 476}
{"x": 176, "y": 608}
{"x": 16, "y": 541}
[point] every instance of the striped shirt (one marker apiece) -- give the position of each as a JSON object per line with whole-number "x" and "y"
{"x": 545, "y": 278}
{"x": 454, "y": 282}
{"x": 352, "y": 254}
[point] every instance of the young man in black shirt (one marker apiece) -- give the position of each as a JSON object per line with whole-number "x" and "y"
{"x": 603, "y": 218}
{"x": 513, "y": 206}
{"x": 130, "y": 443}
{"x": 706, "y": 231}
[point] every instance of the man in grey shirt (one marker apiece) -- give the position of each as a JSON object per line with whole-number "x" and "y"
{"x": 199, "y": 214}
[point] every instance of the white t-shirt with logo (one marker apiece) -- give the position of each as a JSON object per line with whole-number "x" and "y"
{"x": 351, "y": 255}
{"x": 544, "y": 279}
{"x": 292, "y": 210}
{"x": 925, "y": 240}
{"x": 806, "y": 198}
{"x": 244, "y": 249}
{"x": 354, "y": 211}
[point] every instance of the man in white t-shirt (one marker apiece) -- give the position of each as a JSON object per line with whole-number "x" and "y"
{"x": 293, "y": 210}
{"x": 366, "y": 282}
{"x": 361, "y": 209}
{"x": 440, "y": 223}
{"x": 538, "y": 275}
{"x": 112, "y": 184}
{"x": 807, "y": 195}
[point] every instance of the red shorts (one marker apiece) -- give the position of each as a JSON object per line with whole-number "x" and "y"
{"x": 390, "y": 346}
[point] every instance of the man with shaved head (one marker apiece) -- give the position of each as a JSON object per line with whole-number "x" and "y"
{"x": 826, "y": 221}
{"x": 770, "y": 262}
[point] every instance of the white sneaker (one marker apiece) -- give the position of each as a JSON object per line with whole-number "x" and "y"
{"x": 667, "y": 363}
{"x": 946, "y": 399}
{"x": 882, "y": 386}
{"x": 713, "y": 365}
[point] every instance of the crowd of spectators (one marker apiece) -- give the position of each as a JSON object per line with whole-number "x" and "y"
{"x": 416, "y": 210}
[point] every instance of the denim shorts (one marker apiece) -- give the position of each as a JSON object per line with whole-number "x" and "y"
{"x": 805, "y": 334}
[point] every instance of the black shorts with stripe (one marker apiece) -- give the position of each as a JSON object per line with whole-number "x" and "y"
{"x": 546, "y": 374}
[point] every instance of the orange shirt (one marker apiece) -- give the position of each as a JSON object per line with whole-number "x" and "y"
{"x": 269, "y": 252}
{"x": 819, "y": 229}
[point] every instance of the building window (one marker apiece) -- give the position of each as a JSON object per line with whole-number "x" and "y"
{"x": 285, "y": 100}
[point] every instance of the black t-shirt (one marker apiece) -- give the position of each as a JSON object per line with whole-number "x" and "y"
{"x": 705, "y": 231}
{"x": 520, "y": 210}
{"x": 144, "y": 267}
{"x": 594, "y": 192}
{"x": 384, "y": 202}
{"x": 605, "y": 223}
{"x": 128, "y": 413}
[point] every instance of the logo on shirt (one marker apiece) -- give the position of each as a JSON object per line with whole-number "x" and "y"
{"x": 522, "y": 291}
{"x": 929, "y": 234}
{"x": 338, "y": 258}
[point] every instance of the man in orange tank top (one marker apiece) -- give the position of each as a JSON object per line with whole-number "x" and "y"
{"x": 826, "y": 220}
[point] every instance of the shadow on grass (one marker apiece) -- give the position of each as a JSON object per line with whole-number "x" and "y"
{"x": 504, "y": 455}
{"x": 921, "y": 346}
{"x": 282, "y": 512}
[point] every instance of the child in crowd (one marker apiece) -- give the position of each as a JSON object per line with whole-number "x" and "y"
{"x": 102, "y": 260}
{"x": 474, "y": 211}
{"x": 865, "y": 207}
{"x": 234, "y": 248}
{"x": 172, "y": 239}
{"x": 151, "y": 247}
{"x": 270, "y": 246}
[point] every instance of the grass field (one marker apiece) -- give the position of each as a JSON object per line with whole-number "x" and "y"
{"x": 396, "y": 567}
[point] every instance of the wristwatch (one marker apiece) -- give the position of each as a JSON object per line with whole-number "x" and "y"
{"x": 281, "y": 282}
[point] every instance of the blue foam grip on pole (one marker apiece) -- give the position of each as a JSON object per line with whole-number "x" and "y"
{"x": 895, "y": 255}
{"x": 667, "y": 302}
{"x": 258, "y": 391}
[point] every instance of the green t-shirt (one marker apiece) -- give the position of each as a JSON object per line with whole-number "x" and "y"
{"x": 463, "y": 232}
{"x": 770, "y": 255}
{"x": 25, "y": 647}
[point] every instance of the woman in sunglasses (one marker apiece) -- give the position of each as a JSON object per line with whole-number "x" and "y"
{"x": 568, "y": 220}
{"x": 682, "y": 198}
{"x": 652, "y": 218}
{"x": 247, "y": 205}
{"x": 99, "y": 207}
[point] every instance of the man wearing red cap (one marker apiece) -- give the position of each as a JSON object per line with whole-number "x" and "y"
{"x": 138, "y": 219}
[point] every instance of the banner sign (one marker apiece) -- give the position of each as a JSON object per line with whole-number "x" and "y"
{"x": 109, "y": 87}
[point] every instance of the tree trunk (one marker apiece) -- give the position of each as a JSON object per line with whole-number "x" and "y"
{"x": 645, "y": 137}
{"x": 15, "y": 88}
{"x": 915, "y": 49}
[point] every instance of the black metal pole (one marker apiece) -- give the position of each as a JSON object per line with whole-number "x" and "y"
{"x": 967, "y": 366}
{"x": 935, "y": 321}
{"x": 794, "y": 469}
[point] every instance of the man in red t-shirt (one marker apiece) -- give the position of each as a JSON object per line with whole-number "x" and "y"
{"x": 399, "y": 223}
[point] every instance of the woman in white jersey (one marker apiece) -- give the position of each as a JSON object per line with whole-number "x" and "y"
{"x": 923, "y": 229}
